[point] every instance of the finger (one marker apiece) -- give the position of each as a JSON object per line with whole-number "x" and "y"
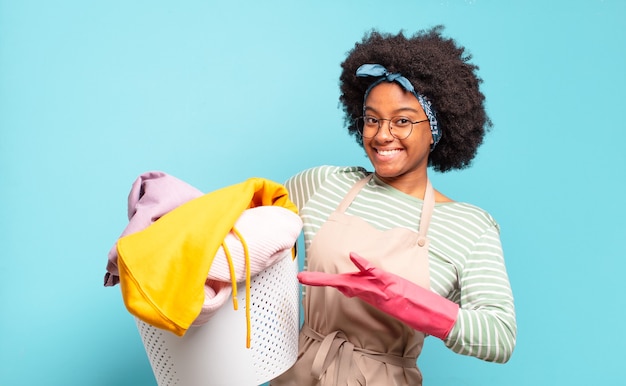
{"x": 319, "y": 278}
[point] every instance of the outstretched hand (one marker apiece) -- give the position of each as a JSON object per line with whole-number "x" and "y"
{"x": 367, "y": 280}
{"x": 416, "y": 306}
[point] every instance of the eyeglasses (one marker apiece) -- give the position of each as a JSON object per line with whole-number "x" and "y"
{"x": 399, "y": 127}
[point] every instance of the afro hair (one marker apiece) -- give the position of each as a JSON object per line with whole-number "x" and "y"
{"x": 439, "y": 69}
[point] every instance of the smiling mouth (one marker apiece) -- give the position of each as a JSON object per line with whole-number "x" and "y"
{"x": 388, "y": 152}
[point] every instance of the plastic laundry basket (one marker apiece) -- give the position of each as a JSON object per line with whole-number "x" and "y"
{"x": 215, "y": 353}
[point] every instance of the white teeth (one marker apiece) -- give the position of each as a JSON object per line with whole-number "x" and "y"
{"x": 388, "y": 152}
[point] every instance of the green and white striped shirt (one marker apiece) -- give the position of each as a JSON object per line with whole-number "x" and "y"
{"x": 465, "y": 253}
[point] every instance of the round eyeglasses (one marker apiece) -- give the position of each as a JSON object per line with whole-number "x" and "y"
{"x": 399, "y": 127}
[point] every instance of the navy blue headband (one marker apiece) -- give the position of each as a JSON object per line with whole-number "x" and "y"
{"x": 378, "y": 71}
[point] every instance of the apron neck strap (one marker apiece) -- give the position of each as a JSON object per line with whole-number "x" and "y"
{"x": 427, "y": 206}
{"x": 356, "y": 188}
{"x": 427, "y": 210}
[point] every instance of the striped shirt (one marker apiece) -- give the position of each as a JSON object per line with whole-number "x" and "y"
{"x": 465, "y": 253}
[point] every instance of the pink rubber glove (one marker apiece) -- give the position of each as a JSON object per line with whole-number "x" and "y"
{"x": 416, "y": 306}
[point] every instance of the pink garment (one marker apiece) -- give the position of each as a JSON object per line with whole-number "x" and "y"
{"x": 269, "y": 232}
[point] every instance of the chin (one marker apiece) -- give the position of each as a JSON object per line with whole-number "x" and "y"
{"x": 384, "y": 173}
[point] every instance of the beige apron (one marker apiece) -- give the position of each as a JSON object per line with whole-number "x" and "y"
{"x": 337, "y": 328}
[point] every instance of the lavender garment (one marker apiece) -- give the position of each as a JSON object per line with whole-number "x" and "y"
{"x": 152, "y": 195}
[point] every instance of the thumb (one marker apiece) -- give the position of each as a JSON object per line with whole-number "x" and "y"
{"x": 361, "y": 263}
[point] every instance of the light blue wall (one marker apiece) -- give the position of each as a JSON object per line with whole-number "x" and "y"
{"x": 92, "y": 93}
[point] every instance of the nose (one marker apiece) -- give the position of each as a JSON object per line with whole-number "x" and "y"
{"x": 384, "y": 131}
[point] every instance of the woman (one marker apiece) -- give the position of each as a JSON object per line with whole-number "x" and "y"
{"x": 389, "y": 260}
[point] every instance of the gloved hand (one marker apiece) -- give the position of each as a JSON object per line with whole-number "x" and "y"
{"x": 406, "y": 301}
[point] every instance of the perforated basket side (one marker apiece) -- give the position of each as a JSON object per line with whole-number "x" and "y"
{"x": 274, "y": 310}
{"x": 215, "y": 353}
{"x": 156, "y": 348}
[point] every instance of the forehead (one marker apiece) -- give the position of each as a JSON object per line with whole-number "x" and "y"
{"x": 390, "y": 97}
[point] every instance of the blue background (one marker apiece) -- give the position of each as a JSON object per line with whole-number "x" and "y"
{"x": 92, "y": 93}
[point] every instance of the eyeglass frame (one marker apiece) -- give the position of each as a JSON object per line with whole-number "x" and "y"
{"x": 362, "y": 117}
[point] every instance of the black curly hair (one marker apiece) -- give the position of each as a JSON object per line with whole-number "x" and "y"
{"x": 439, "y": 69}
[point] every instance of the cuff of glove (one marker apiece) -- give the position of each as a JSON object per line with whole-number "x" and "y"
{"x": 438, "y": 314}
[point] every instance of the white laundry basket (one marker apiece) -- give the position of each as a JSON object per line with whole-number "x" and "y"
{"x": 215, "y": 353}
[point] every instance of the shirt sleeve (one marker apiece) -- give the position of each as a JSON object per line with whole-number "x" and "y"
{"x": 303, "y": 185}
{"x": 486, "y": 326}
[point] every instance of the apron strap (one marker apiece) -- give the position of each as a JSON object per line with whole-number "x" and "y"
{"x": 427, "y": 212}
{"x": 427, "y": 206}
{"x": 345, "y": 203}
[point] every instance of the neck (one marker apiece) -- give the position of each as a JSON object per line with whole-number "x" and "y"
{"x": 414, "y": 185}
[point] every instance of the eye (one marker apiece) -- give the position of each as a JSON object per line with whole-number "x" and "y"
{"x": 370, "y": 121}
{"x": 401, "y": 122}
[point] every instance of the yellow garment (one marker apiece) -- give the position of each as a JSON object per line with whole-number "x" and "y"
{"x": 163, "y": 268}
